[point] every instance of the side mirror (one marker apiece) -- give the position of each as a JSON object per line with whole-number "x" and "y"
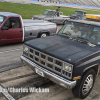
{"x": 4, "y": 28}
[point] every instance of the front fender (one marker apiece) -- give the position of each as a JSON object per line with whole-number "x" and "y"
{"x": 81, "y": 69}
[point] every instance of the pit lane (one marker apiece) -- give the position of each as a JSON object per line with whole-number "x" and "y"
{"x": 14, "y": 74}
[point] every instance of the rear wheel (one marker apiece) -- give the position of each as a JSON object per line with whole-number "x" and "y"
{"x": 85, "y": 85}
{"x": 43, "y": 35}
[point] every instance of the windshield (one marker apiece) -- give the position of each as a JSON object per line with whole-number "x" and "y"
{"x": 78, "y": 13}
{"x": 46, "y": 12}
{"x": 80, "y": 31}
{"x": 2, "y": 18}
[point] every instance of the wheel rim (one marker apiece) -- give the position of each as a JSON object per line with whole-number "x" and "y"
{"x": 65, "y": 22}
{"x": 43, "y": 35}
{"x": 88, "y": 84}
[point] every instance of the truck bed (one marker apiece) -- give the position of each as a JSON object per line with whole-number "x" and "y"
{"x": 28, "y": 22}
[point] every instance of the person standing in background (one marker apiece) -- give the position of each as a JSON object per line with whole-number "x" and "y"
{"x": 58, "y": 11}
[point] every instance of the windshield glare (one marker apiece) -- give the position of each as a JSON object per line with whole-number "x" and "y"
{"x": 1, "y": 19}
{"x": 46, "y": 12}
{"x": 88, "y": 32}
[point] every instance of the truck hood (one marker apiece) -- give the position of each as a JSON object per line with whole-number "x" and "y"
{"x": 62, "y": 48}
{"x": 40, "y": 16}
{"x": 74, "y": 16}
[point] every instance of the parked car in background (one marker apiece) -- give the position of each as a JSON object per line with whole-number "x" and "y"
{"x": 13, "y": 29}
{"x": 79, "y": 14}
{"x": 50, "y": 15}
{"x": 71, "y": 58}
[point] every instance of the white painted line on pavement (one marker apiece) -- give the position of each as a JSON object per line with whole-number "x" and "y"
{"x": 6, "y": 94}
{"x": 10, "y": 50}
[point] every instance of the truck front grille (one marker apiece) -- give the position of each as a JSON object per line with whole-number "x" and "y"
{"x": 36, "y": 59}
{"x": 43, "y": 56}
{"x": 50, "y": 59}
{"x": 48, "y": 62}
{"x": 31, "y": 56}
{"x": 50, "y": 66}
{"x": 59, "y": 63}
{"x": 36, "y": 53}
{"x": 31, "y": 50}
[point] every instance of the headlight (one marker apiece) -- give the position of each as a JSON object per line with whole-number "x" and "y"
{"x": 26, "y": 48}
{"x": 68, "y": 67}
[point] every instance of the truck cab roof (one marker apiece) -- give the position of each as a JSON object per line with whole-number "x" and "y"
{"x": 87, "y": 22}
{"x": 8, "y": 14}
{"x": 81, "y": 11}
{"x": 50, "y": 10}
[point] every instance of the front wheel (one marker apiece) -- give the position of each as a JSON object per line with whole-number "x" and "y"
{"x": 65, "y": 22}
{"x": 86, "y": 85}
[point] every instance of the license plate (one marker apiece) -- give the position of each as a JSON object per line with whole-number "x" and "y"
{"x": 39, "y": 72}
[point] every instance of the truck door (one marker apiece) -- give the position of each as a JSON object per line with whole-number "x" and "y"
{"x": 58, "y": 19}
{"x": 11, "y": 31}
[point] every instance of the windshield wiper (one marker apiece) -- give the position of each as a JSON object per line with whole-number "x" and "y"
{"x": 88, "y": 42}
{"x": 67, "y": 35}
{"x": 84, "y": 39}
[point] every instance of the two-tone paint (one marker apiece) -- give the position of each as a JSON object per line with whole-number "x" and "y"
{"x": 29, "y": 29}
{"x": 52, "y": 18}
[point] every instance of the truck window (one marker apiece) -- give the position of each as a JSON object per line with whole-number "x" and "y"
{"x": 13, "y": 22}
{"x": 46, "y": 12}
{"x": 78, "y": 30}
{"x": 96, "y": 32}
{"x": 2, "y": 18}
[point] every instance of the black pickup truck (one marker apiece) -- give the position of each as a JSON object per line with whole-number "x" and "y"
{"x": 70, "y": 58}
{"x": 78, "y": 15}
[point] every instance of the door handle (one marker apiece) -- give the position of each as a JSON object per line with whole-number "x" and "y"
{"x": 21, "y": 31}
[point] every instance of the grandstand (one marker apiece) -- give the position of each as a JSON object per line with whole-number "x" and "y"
{"x": 80, "y": 4}
{"x": 95, "y": 3}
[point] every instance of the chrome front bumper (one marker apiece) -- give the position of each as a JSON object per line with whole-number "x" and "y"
{"x": 50, "y": 75}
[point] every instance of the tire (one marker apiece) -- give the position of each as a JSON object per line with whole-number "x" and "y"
{"x": 43, "y": 35}
{"x": 65, "y": 22}
{"x": 80, "y": 90}
{"x": 49, "y": 20}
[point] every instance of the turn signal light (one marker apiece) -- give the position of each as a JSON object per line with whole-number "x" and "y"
{"x": 76, "y": 78}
